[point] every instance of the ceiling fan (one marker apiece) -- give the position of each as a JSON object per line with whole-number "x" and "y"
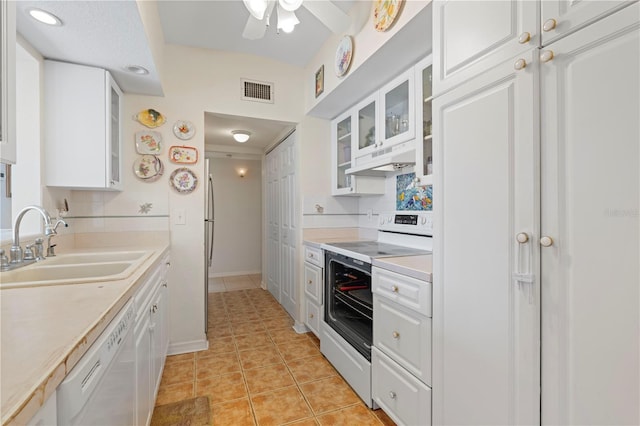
{"x": 261, "y": 10}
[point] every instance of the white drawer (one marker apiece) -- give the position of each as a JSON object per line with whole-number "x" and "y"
{"x": 406, "y": 291}
{"x": 403, "y": 335}
{"x": 313, "y": 316}
{"x": 313, "y": 255}
{"x": 313, "y": 282}
{"x": 403, "y": 397}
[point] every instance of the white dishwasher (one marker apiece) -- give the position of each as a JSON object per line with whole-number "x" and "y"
{"x": 100, "y": 389}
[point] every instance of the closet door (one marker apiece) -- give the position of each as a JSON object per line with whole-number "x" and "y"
{"x": 591, "y": 199}
{"x": 288, "y": 225}
{"x": 486, "y": 289}
{"x": 273, "y": 224}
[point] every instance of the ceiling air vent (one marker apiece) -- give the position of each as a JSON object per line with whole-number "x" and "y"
{"x": 257, "y": 91}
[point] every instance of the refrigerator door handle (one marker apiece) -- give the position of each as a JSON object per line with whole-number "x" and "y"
{"x": 211, "y": 220}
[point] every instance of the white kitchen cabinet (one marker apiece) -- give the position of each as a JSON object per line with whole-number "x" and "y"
{"x": 400, "y": 395}
{"x": 397, "y": 115}
{"x": 344, "y": 141}
{"x": 424, "y": 121}
{"x": 561, "y": 17}
{"x": 313, "y": 288}
{"x": 486, "y": 284}
{"x": 151, "y": 339}
{"x": 8, "y": 82}
{"x": 590, "y": 185}
{"x": 82, "y": 128}
{"x": 470, "y": 37}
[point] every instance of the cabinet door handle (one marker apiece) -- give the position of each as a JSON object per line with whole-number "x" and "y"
{"x": 310, "y": 282}
{"x": 154, "y": 309}
{"x": 520, "y": 64}
{"x": 546, "y": 55}
{"x": 310, "y": 315}
{"x": 549, "y": 25}
{"x": 394, "y": 288}
{"x": 546, "y": 241}
{"x": 395, "y": 335}
{"x": 524, "y": 38}
{"x": 164, "y": 285}
{"x": 392, "y": 395}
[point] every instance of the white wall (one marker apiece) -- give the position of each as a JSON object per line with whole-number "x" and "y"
{"x": 238, "y": 217}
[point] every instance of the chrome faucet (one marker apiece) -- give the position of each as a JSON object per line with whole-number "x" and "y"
{"x": 49, "y": 231}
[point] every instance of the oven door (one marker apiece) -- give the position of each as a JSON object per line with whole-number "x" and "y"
{"x": 348, "y": 307}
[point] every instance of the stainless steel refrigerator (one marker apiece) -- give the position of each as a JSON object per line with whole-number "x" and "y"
{"x": 209, "y": 222}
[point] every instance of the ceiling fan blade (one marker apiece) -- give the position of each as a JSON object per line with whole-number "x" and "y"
{"x": 329, "y": 14}
{"x": 256, "y": 28}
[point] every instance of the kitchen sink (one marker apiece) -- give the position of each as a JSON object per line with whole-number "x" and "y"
{"x": 100, "y": 257}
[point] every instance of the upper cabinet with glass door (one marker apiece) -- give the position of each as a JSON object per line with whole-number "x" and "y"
{"x": 7, "y": 82}
{"x": 424, "y": 141}
{"x": 397, "y": 110}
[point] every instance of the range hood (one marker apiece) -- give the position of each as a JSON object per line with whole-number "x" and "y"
{"x": 384, "y": 161}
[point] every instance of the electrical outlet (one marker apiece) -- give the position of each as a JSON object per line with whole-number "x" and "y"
{"x": 180, "y": 217}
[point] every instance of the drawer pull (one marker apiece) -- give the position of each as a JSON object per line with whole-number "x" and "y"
{"x": 395, "y": 335}
{"x": 392, "y": 395}
{"x": 394, "y": 288}
{"x": 310, "y": 282}
{"x": 310, "y": 315}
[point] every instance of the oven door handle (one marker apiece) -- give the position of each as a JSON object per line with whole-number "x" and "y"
{"x": 358, "y": 262}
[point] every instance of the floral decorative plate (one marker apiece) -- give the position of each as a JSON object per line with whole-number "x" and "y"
{"x": 148, "y": 142}
{"x": 149, "y": 168}
{"x": 183, "y": 154}
{"x": 385, "y": 13}
{"x": 343, "y": 56}
{"x": 184, "y": 130}
{"x": 183, "y": 180}
{"x": 150, "y": 118}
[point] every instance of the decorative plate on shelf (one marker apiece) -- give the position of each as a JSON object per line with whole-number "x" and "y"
{"x": 183, "y": 180}
{"x": 385, "y": 13}
{"x": 148, "y": 168}
{"x": 183, "y": 154}
{"x": 184, "y": 130}
{"x": 148, "y": 142}
{"x": 343, "y": 56}
{"x": 150, "y": 118}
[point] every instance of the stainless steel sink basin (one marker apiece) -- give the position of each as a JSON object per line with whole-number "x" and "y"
{"x": 100, "y": 257}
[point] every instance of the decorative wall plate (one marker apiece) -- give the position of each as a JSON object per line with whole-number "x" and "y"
{"x": 148, "y": 142}
{"x": 184, "y": 130}
{"x": 150, "y": 118}
{"x": 148, "y": 168}
{"x": 343, "y": 56}
{"x": 183, "y": 180}
{"x": 183, "y": 154}
{"x": 385, "y": 13}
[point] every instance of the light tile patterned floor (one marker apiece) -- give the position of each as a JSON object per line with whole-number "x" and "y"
{"x": 259, "y": 371}
{"x": 232, "y": 283}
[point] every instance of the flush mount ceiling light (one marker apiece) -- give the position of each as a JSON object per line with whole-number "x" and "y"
{"x": 136, "y": 69}
{"x": 241, "y": 135}
{"x": 44, "y": 17}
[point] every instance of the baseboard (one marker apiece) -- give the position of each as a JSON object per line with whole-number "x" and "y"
{"x": 233, "y": 274}
{"x": 188, "y": 347}
{"x": 300, "y": 328}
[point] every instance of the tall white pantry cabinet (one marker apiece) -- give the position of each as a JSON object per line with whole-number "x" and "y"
{"x": 536, "y": 296}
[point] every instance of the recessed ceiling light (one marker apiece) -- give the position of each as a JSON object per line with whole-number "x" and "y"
{"x": 44, "y": 17}
{"x": 241, "y": 135}
{"x": 136, "y": 69}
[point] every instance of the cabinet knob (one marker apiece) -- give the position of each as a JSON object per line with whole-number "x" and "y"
{"x": 310, "y": 315}
{"x": 546, "y": 55}
{"x": 549, "y": 25}
{"x": 395, "y": 335}
{"x": 522, "y": 237}
{"x": 164, "y": 285}
{"x": 394, "y": 288}
{"x": 154, "y": 309}
{"x": 351, "y": 189}
{"x": 168, "y": 263}
{"x": 392, "y": 395}
{"x": 310, "y": 282}
{"x": 546, "y": 241}
{"x": 520, "y": 64}
{"x": 113, "y": 182}
{"x": 310, "y": 255}
{"x": 524, "y": 38}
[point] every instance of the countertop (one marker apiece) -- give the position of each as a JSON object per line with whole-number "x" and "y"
{"x": 46, "y": 330}
{"x": 315, "y": 237}
{"x": 418, "y": 267}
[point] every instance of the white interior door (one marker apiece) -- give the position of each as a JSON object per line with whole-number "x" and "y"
{"x": 591, "y": 200}
{"x": 485, "y": 315}
{"x": 273, "y": 225}
{"x": 288, "y": 226}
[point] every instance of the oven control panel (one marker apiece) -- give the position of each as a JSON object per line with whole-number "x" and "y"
{"x": 410, "y": 222}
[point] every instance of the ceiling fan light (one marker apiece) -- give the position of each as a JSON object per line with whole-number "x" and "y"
{"x": 241, "y": 136}
{"x": 287, "y": 20}
{"x": 290, "y": 5}
{"x": 256, "y": 8}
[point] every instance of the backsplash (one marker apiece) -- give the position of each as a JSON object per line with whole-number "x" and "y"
{"x": 410, "y": 196}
